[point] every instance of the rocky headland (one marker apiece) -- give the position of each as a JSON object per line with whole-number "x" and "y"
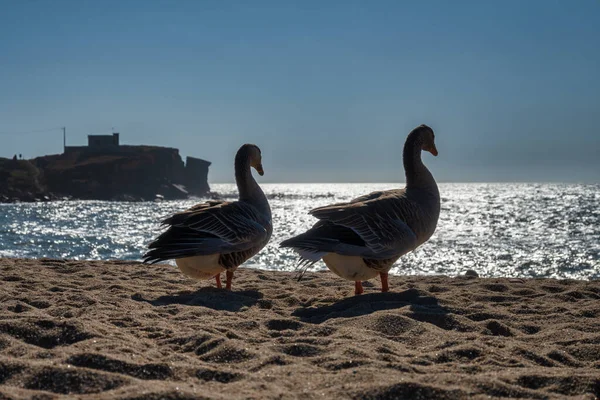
{"x": 133, "y": 173}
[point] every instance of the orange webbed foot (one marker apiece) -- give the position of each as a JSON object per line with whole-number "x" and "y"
{"x": 358, "y": 288}
{"x": 229, "y": 275}
{"x": 384, "y": 282}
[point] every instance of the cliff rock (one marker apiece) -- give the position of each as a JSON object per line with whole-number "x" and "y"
{"x": 131, "y": 173}
{"x": 20, "y": 180}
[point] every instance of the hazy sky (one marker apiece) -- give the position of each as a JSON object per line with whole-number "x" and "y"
{"x": 327, "y": 89}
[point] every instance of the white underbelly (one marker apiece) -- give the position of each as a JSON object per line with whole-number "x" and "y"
{"x": 352, "y": 268}
{"x": 200, "y": 267}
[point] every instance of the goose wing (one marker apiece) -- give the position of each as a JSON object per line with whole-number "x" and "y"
{"x": 209, "y": 228}
{"x": 379, "y": 218}
{"x": 237, "y": 223}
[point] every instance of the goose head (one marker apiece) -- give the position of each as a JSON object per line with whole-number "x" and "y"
{"x": 254, "y": 156}
{"x": 427, "y": 139}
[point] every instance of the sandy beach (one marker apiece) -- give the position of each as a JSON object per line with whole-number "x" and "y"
{"x": 105, "y": 330}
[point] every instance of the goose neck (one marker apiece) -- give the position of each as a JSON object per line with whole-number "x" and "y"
{"x": 417, "y": 174}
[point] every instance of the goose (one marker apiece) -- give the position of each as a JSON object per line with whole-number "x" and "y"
{"x": 218, "y": 236}
{"x": 363, "y": 238}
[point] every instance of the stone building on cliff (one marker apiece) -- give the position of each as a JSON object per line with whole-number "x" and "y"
{"x": 106, "y": 169}
{"x": 97, "y": 144}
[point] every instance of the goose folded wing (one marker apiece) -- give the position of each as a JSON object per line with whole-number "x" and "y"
{"x": 238, "y": 224}
{"x": 381, "y": 223}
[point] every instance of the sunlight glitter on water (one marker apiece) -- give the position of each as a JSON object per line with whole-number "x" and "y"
{"x": 521, "y": 230}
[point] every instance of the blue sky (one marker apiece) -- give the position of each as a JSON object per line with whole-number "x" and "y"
{"x": 327, "y": 89}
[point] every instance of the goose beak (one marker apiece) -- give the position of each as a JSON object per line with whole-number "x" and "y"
{"x": 432, "y": 150}
{"x": 260, "y": 170}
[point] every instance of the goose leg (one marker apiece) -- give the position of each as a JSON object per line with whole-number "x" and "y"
{"x": 229, "y": 275}
{"x": 358, "y": 289}
{"x": 218, "y": 278}
{"x": 384, "y": 281}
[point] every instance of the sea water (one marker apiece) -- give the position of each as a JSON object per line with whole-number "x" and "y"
{"x": 499, "y": 229}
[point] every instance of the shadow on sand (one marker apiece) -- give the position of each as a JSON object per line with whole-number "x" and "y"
{"x": 423, "y": 308}
{"x": 216, "y": 299}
